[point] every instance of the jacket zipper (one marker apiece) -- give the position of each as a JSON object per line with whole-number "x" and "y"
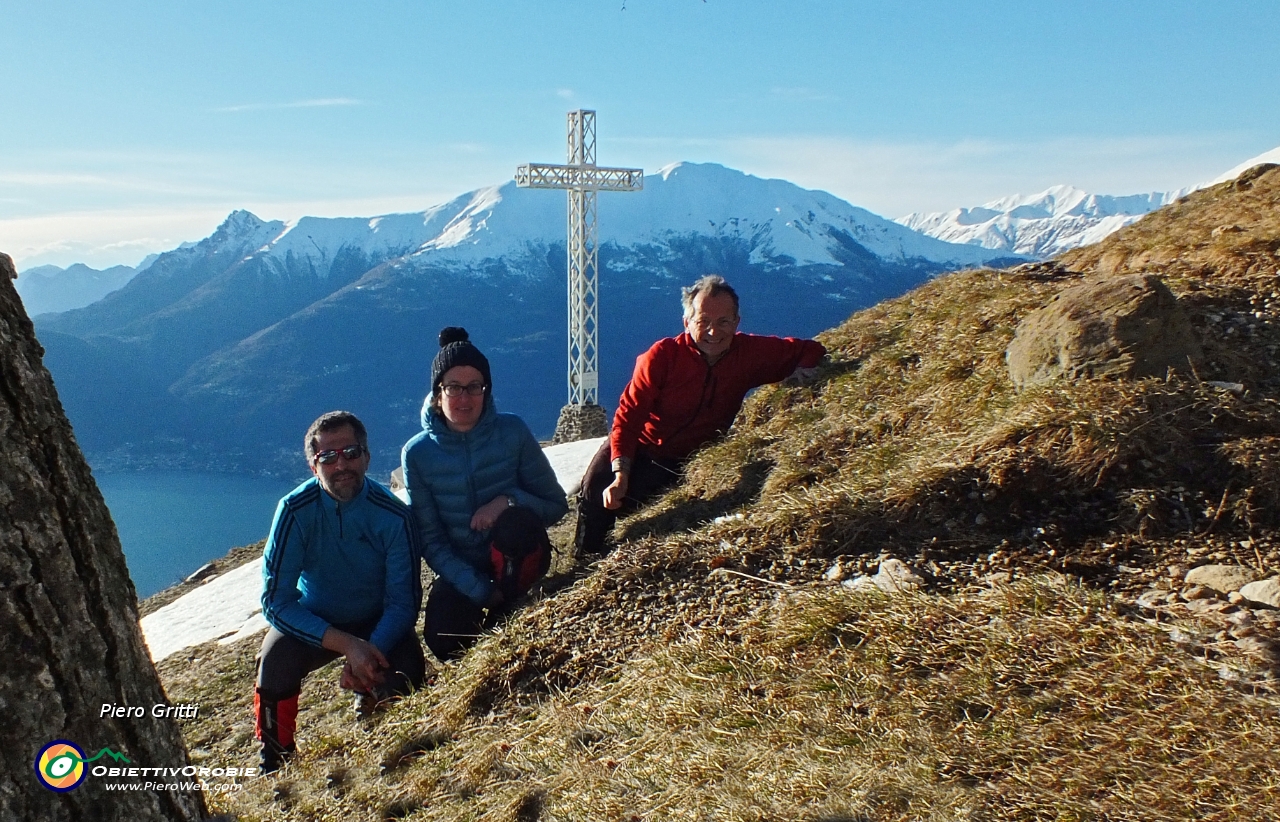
{"x": 706, "y": 381}
{"x": 471, "y": 476}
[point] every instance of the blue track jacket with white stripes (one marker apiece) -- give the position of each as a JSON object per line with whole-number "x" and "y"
{"x": 341, "y": 562}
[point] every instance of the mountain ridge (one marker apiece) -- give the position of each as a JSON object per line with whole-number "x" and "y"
{"x": 1055, "y": 220}
{"x": 1040, "y": 225}
{"x": 256, "y": 326}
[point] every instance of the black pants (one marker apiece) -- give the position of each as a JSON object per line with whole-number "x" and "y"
{"x": 453, "y": 623}
{"x": 284, "y": 661}
{"x": 649, "y": 477}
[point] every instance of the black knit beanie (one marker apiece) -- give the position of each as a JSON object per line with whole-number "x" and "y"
{"x": 456, "y": 349}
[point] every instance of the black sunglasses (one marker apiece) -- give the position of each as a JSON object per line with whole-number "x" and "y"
{"x": 329, "y": 457}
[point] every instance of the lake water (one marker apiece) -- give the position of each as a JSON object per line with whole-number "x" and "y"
{"x": 172, "y": 522}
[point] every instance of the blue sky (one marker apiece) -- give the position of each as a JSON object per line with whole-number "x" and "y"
{"x": 131, "y": 127}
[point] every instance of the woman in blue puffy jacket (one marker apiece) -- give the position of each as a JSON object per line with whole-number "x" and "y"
{"x": 470, "y": 465}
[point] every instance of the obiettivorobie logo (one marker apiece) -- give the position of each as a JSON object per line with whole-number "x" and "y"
{"x": 60, "y": 765}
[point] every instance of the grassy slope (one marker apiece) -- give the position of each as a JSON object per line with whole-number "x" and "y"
{"x": 706, "y": 670}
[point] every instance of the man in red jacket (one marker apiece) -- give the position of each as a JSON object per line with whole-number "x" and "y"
{"x": 685, "y": 392}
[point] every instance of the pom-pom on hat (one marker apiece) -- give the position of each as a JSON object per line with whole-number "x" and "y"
{"x": 456, "y": 349}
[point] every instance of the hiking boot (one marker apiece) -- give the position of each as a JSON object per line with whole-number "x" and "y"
{"x": 274, "y": 723}
{"x": 591, "y": 530}
{"x": 272, "y": 758}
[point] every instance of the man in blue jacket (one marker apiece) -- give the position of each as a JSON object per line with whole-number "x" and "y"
{"x": 340, "y": 578}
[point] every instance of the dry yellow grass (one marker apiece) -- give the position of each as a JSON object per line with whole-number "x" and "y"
{"x": 1030, "y": 701}
{"x": 706, "y": 671}
{"x": 1011, "y": 703}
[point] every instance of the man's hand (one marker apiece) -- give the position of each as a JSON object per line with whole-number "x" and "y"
{"x": 616, "y": 492}
{"x": 486, "y": 515}
{"x": 802, "y": 376}
{"x": 365, "y": 665}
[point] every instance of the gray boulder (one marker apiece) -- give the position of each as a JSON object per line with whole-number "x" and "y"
{"x": 1222, "y": 578}
{"x": 1123, "y": 327}
{"x": 894, "y": 576}
{"x": 1265, "y": 591}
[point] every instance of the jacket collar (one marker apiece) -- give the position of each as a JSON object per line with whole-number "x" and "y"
{"x": 331, "y": 505}
{"x": 685, "y": 340}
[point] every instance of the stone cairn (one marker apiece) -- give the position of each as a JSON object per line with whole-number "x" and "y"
{"x": 580, "y": 422}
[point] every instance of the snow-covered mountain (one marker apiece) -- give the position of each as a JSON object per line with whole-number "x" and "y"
{"x": 784, "y": 224}
{"x": 1272, "y": 156}
{"x": 49, "y": 288}
{"x": 1039, "y": 225}
{"x": 1055, "y": 220}
{"x": 237, "y": 342}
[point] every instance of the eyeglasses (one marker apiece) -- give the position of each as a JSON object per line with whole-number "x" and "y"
{"x": 453, "y": 389}
{"x": 351, "y": 452}
{"x": 725, "y": 324}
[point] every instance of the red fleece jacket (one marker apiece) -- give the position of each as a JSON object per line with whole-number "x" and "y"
{"x": 675, "y": 402}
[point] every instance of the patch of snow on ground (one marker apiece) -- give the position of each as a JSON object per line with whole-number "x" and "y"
{"x": 228, "y": 607}
{"x": 570, "y": 461}
{"x": 221, "y": 607}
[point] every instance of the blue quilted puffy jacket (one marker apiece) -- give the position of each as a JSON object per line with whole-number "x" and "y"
{"x": 450, "y": 475}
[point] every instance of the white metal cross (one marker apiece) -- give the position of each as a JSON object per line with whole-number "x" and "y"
{"x": 583, "y": 178}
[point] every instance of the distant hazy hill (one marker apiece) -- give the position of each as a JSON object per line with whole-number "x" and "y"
{"x": 221, "y": 353}
{"x": 48, "y": 288}
{"x": 1055, "y": 220}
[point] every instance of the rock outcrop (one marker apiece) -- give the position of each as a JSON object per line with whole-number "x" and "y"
{"x": 69, "y": 633}
{"x": 1130, "y": 326}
